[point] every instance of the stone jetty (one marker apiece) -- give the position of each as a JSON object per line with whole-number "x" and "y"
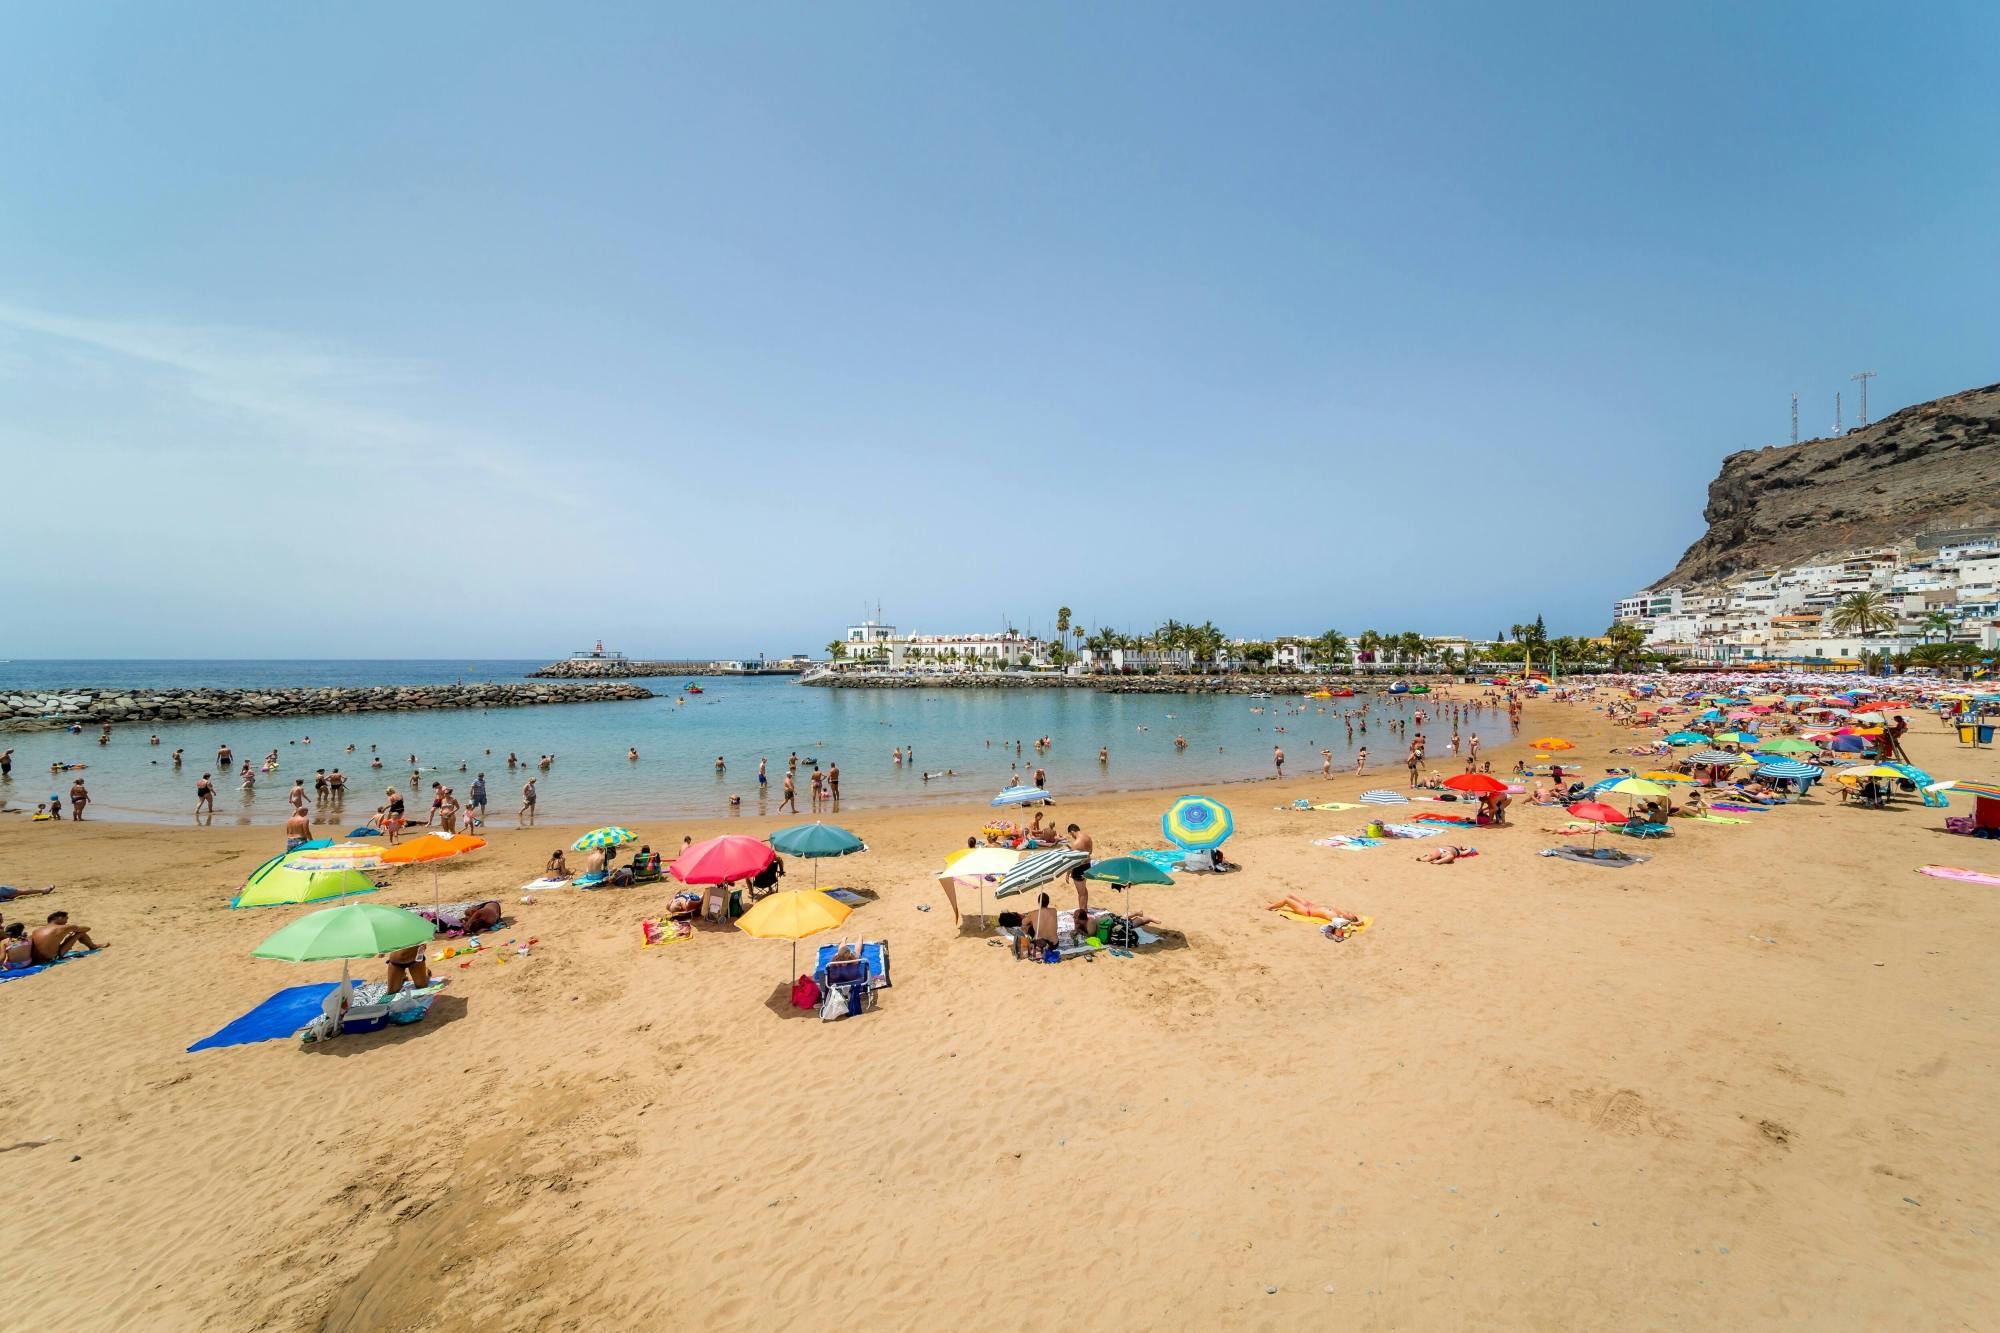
{"x": 40, "y": 710}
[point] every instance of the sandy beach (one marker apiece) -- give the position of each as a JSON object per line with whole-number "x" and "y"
{"x": 1747, "y": 1084}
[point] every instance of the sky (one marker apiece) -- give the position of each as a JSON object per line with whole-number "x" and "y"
{"x": 486, "y": 329}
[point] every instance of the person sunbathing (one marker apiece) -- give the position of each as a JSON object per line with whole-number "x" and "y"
{"x": 558, "y": 866}
{"x": 1443, "y": 856}
{"x": 53, "y": 940}
{"x": 16, "y": 949}
{"x": 1293, "y": 902}
{"x": 408, "y": 966}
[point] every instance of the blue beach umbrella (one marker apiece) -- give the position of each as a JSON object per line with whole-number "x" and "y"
{"x": 1197, "y": 823}
{"x": 1020, "y": 796}
{"x": 1790, "y": 769}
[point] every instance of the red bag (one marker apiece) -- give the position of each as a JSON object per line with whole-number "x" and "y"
{"x": 805, "y": 993}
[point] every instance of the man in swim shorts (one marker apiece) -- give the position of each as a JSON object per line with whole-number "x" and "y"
{"x": 8, "y": 893}
{"x": 53, "y": 940}
{"x": 1079, "y": 841}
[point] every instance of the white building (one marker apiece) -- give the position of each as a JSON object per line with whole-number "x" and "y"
{"x": 874, "y": 643}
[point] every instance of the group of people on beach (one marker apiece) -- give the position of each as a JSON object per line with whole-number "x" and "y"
{"x": 22, "y": 945}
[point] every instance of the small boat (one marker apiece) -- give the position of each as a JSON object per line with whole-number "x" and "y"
{"x": 693, "y": 688}
{"x": 1260, "y": 696}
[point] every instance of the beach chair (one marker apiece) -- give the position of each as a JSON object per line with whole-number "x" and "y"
{"x": 647, "y": 871}
{"x": 849, "y": 985}
{"x": 1645, "y": 830}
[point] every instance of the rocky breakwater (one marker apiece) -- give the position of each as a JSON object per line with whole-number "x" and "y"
{"x": 33, "y": 710}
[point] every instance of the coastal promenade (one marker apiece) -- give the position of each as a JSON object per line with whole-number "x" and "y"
{"x": 1288, "y": 685}
{"x": 46, "y": 710}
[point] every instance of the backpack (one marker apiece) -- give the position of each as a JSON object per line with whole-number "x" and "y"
{"x": 805, "y": 993}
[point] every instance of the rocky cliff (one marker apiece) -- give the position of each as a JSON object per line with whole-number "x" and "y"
{"x": 1933, "y": 464}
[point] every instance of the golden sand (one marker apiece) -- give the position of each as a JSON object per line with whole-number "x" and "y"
{"x": 1749, "y": 1084}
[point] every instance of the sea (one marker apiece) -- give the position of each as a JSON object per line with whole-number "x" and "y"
{"x": 966, "y": 744}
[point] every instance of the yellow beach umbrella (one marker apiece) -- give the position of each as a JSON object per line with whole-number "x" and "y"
{"x": 1863, "y": 771}
{"x": 1634, "y": 787}
{"x": 792, "y": 915}
{"x": 1663, "y": 776}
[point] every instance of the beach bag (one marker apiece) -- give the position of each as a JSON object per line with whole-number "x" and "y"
{"x": 835, "y": 1004}
{"x": 805, "y": 993}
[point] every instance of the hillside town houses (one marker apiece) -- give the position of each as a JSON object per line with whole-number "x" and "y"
{"x": 1936, "y": 588}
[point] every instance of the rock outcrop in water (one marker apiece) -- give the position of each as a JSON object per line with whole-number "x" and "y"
{"x": 28, "y": 710}
{"x": 1933, "y": 465}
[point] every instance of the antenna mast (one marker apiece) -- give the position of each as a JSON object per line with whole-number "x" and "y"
{"x": 1795, "y": 418}
{"x": 1864, "y": 377}
{"x": 1836, "y": 414}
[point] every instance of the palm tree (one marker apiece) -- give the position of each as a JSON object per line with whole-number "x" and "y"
{"x": 1627, "y": 642}
{"x": 1062, "y": 623}
{"x": 836, "y": 651}
{"x": 1938, "y": 624}
{"x": 1370, "y": 643}
{"x": 1332, "y": 649}
{"x": 1863, "y": 613}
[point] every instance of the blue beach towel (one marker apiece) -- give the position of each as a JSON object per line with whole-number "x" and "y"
{"x": 1163, "y": 860}
{"x": 280, "y": 1016}
{"x": 874, "y": 952}
{"x": 846, "y": 897}
{"x": 15, "y": 974}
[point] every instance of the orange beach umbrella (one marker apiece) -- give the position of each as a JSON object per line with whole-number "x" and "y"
{"x": 431, "y": 847}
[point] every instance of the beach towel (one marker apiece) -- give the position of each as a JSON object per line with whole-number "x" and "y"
{"x": 1290, "y": 915}
{"x": 279, "y": 1016}
{"x": 1958, "y": 873}
{"x": 16, "y": 973}
{"x": 596, "y": 881}
{"x": 1603, "y": 856}
{"x": 1346, "y": 843}
{"x": 1336, "y": 805}
{"x": 1412, "y": 831}
{"x": 1162, "y": 860}
{"x": 546, "y": 883}
{"x": 874, "y": 952}
{"x": 847, "y": 897}
{"x": 1462, "y": 820}
{"x": 1714, "y": 819}
{"x": 1739, "y": 809}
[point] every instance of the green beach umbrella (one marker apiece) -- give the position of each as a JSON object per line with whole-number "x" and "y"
{"x": 814, "y": 841}
{"x": 1126, "y": 871}
{"x": 1790, "y": 745}
{"x": 611, "y": 835}
{"x": 275, "y": 883}
{"x": 357, "y": 930}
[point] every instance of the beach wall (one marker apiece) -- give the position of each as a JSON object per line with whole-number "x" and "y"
{"x": 611, "y": 668}
{"x": 37, "y": 710}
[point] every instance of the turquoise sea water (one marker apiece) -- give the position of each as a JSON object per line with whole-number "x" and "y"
{"x": 968, "y": 733}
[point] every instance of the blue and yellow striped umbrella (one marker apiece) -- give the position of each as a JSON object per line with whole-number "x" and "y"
{"x": 1197, "y": 823}
{"x": 611, "y": 835}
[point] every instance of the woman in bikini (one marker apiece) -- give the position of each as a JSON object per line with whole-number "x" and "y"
{"x": 1293, "y": 902}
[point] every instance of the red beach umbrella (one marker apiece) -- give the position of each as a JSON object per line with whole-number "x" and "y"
{"x": 1479, "y": 784}
{"x": 722, "y": 860}
{"x": 1598, "y": 812}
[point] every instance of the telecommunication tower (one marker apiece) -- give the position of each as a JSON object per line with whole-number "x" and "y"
{"x": 1795, "y": 418}
{"x": 1864, "y": 377}
{"x": 1837, "y": 430}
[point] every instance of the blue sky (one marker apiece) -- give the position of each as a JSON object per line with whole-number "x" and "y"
{"x": 447, "y": 329}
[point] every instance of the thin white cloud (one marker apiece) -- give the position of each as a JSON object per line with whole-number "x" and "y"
{"x": 314, "y": 396}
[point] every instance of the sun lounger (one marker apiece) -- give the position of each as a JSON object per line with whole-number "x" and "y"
{"x": 1644, "y": 830}
{"x": 849, "y": 984}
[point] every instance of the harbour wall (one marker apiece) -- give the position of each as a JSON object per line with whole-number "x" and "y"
{"x": 45, "y": 710}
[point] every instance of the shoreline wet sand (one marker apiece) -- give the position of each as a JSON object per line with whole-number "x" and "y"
{"x": 1746, "y": 1082}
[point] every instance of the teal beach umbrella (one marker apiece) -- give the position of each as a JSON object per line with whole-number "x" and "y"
{"x": 1126, "y": 871}
{"x": 816, "y": 840}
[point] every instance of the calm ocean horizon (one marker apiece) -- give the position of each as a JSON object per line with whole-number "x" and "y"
{"x": 963, "y": 739}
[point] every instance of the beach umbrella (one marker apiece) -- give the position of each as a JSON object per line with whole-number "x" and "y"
{"x": 356, "y": 930}
{"x": 1789, "y": 769}
{"x": 1197, "y": 823}
{"x": 1662, "y": 775}
{"x": 1711, "y": 757}
{"x": 1125, "y": 872}
{"x": 340, "y": 856}
{"x": 1597, "y": 813}
{"x": 1789, "y": 745}
{"x": 611, "y": 835}
{"x": 1736, "y": 737}
{"x": 792, "y": 914}
{"x": 432, "y": 847}
{"x": 1965, "y": 787}
{"x": 274, "y": 883}
{"x": 1552, "y": 743}
{"x": 1383, "y": 796}
{"x": 1036, "y": 869}
{"x": 977, "y": 864}
{"x": 1848, "y": 744}
{"x": 815, "y": 841}
{"x": 1687, "y": 738}
{"x": 721, "y": 860}
{"x": 1480, "y": 784}
{"x": 1020, "y": 796}
{"x": 1861, "y": 772}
